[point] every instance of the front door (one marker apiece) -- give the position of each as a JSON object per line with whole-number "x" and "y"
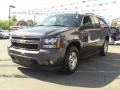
{"x": 85, "y": 38}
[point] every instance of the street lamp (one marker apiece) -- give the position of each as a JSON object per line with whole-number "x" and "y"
{"x": 10, "y": 6}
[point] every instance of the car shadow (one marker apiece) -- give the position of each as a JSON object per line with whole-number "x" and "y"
{"x": 93, "y": 72}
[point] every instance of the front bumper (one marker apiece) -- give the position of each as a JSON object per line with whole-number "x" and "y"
{"x": 41, "y": 57}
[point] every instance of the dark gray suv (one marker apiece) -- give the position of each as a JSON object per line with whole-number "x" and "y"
{"x": 60, "y": 40}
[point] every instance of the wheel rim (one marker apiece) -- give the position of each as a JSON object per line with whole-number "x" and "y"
{"x": 105, "y": 47}
{"x": 73, "y": 60}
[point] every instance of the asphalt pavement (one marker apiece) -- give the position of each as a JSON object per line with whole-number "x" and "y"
{"x": 94, "y": 73}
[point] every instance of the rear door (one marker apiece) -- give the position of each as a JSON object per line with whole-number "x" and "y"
{"x": 95, "y": 34}
{"x": 104, "y": 29}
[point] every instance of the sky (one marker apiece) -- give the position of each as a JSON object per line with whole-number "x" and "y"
{"x": 108, "y": 11}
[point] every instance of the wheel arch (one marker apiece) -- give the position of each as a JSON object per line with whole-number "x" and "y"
{"x": 75, "y": 43}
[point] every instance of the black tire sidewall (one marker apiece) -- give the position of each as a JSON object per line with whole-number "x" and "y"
{"x": 103, "y": 52}
{"x": 66, "y": 67}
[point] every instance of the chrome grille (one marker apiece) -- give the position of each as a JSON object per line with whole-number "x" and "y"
{"x": 26, "y": 38}
{"x": 28, "y": 43}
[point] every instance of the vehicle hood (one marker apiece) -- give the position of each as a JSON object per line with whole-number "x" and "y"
{"x": 40, "y": 31}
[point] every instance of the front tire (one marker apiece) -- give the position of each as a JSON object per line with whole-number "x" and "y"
{"x": 104, "y": 49}
{"x": 71, "y": 60}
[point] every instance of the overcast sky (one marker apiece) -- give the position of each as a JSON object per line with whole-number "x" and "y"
{"x": 112, "y": 10}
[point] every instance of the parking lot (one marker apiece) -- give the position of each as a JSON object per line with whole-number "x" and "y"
{"x": 94, "y": 73}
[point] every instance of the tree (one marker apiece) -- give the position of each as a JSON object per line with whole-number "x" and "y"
{"x": 21, "y": 23}
{"x": 4, "y": 24}
{"x": 30, "y": 23}
{"x": 13, "y": 20}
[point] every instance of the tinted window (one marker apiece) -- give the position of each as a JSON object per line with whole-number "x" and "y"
{"x": 96, "y": 20}
{"x": 102, "y": 21}
{"x": 87, "y": 20}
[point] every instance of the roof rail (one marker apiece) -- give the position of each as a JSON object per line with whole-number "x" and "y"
{"x": 89, "y": 13}
{"x": 93, "y": 14}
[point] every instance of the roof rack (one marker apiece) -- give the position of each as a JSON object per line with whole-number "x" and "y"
{"x": 89, "y": 13}
{"x": 93, "y": 14}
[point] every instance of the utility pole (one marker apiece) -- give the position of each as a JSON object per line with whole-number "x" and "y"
{"x": 10, "y": 6}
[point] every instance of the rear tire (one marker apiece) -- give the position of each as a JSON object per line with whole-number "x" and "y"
{"x": 71, "y": 58}
{"x": 104, "y": 49}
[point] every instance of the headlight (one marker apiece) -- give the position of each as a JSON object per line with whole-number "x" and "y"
{"x": 51, "y": 43}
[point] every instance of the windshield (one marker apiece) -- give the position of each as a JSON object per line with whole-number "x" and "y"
{"x": 62, "y": 20}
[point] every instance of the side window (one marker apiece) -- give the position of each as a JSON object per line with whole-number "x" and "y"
{"x": 87, "y": 21}
{"x": 102, "y": 23}
{"x": 96, "y": 22}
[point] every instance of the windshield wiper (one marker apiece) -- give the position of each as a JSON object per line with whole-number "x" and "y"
{"x": 58, "y": 25}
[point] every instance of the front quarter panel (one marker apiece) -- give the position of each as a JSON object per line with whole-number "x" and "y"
{"x": 70, "y": 37}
